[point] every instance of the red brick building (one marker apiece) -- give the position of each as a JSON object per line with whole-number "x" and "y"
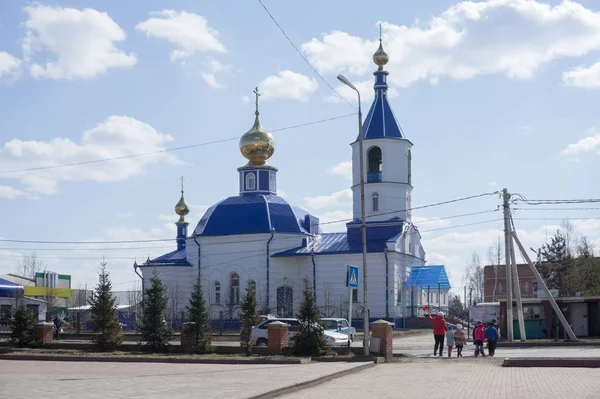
{"x": 494, "y": 282}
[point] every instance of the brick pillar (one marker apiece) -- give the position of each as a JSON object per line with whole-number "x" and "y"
{"x": 44, "y": 332}
{"x": 383, "y": 329}
{"x": 277, "y": 336}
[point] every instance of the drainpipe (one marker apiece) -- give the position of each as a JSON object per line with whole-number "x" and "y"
{"x": 268, "y": 269}
{"x": 312, "y": 257}
{"x": 135, "y": 269}
{"x": 198, "y": 244}
{"x": 387, "y": 284}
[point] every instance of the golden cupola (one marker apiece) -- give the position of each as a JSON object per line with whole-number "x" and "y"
{"x": 181, "y": 208}
{"x": 380, "y": 58}
{"x": 257, "y": 145}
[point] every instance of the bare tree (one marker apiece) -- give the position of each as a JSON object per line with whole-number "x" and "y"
{"x": 30, "y": 265}
{"x": 570, "y": 233}
{"x": 328, "y": 307}
{"x": 173, "y": 294}
{"x": 474, "y": 278}
{"x": 495, "y": 255}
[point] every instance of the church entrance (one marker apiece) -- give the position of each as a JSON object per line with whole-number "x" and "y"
{"x": 285, "y": 301}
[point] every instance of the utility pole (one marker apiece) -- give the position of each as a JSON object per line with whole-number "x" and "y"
{"x": 507, "y": 257}
{"x": 517, "y": 286}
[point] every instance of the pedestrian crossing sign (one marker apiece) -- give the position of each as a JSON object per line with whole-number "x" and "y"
{"x": 352, "y": 277}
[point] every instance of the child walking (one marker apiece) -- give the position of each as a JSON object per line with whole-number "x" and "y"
{"x": 450, "y": 339}
{"x": 460, "y": 339}
{"x": 491, "y": 333}
{"x": 479, "y": 334}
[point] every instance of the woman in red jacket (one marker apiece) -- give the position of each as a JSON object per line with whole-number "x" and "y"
{"x": 439, "y": 331}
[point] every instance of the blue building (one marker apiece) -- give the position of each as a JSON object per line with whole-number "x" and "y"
{"x": 258, "y": 238}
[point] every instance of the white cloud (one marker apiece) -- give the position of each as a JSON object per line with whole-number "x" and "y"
{"x": 467, "y": 40}
{"x": 117, "y": 136}
{"x": 588, "y": 144}
{"x": 8, "y": 63}
{"x": 334, "y": 220}
{"x": 189, "y": 32}
{"x": 335, "y": 200}
{"x": 82, "y": 42}
{"x": 587, "y": 77}
{"x": 430, "y": 223}
{"x": 10, "y": 192}
{"x": 211, "y": 80}
{"x": 289, "y": 85}
{"x": 342, "y": 169}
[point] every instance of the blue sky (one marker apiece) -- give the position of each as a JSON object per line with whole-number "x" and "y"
{"x": 492, "y": 94}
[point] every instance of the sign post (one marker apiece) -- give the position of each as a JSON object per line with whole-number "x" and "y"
{"x": 352, "y": 284}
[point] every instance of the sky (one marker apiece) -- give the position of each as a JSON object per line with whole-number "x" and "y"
{"x": 493, "y": 94}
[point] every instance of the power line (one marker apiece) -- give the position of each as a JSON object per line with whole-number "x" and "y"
{"x": 302, "y": 55}
{"x": 173, "y": 239}
{"x": 556, "y": 209}
{"x": 185, "y": 147}
{"x": 536, "y": 202}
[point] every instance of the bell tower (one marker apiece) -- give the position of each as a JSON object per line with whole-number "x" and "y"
{"x": 387, "y": 157}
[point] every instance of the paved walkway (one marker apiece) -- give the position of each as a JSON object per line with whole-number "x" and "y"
{"x": 64, "y": 380}
{"x": 459, "y": 378}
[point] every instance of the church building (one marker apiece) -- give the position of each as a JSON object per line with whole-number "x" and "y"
{"x": 259, "y": 238}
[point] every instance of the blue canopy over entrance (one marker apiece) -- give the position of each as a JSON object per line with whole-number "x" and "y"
{"x": 8, "y": 289}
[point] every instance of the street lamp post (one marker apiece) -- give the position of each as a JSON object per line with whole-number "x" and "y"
{"x": 363, "y": 225}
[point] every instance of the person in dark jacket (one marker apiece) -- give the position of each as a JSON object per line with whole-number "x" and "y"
{"x": 491, "y": 334}
{"x": 439, "y": 331}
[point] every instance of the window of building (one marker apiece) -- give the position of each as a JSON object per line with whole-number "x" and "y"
{"x": 234, "y": 289}
{"x": 5, "y": 313}
{"x": 409, "y": 167}
{"x": 374, "y": 156}
{"x": 250, "y": 181}
{"x": 273, "y": 182}
{"x": 355, "y": 295}
{"x": 35, "y": 311}
{"x": 217, "y": 289}
{"x": 375, "y": 202}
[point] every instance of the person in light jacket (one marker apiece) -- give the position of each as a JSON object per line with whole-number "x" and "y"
{"x": 460, "y": 339}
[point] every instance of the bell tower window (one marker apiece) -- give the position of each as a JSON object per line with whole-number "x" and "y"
{"x": 374, "y": 174}
{"x": 409, "y": 167}
{"x": 375, "y": 199}
{"x": 250, "y": 181}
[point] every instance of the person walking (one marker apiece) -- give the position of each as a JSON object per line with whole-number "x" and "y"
{"x": 491, "y": 333}
{"x": 460, "y": 339}
{"x": 439, "y": 331}
{"x": 479, "y": 338}
{"x": 450, "y": 339}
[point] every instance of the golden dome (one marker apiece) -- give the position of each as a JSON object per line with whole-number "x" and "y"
{"x": 182, "y": 208}
{"x": 380, "y": 57}
{"x": 257, "y": 145}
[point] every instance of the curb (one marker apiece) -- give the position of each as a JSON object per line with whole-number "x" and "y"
{"x": 106, "y": 359}
{"x": 589, "y": 362}
{"x": 309, "y": 384}
{"x": 545, "y": 344}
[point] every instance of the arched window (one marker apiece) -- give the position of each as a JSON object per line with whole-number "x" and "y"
{"x": 252, "y": 287}
{"x": 374, "y": 165}
{"x": 409, "y": 167}
{"x": 234, "y": 289}
{"x": 250, "y": 181}
{"x": 375, "y": 198}
{"x": 217, "y": 290}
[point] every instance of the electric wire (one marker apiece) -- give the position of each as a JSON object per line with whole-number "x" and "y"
{"x": 185, "y": 147}
{"x": 302, "y": 55}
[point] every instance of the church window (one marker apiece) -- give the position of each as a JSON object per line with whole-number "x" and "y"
{"x": 375, "y": 202}
{"x": 273, "y": 182}
{"x": 234, "y": 289}
{"x": 409, "y": 167}
{"x": 374, "y": 165}
{"x": 217, "y": 289}
{"x": 250, "y": 181}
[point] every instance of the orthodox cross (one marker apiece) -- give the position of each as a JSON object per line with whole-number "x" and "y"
{"x": 380, "y": 30}
{"x": 257, "y": 94}
{"x": 181, "y": 178}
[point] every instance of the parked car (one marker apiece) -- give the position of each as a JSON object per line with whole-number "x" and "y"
{"x": 259, "y": 335}
{"x": 338, "y": 324}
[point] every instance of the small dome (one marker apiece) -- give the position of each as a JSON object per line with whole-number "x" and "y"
{"x": 182, "y": 208}
{"x": 380, "y": 57}
{"x": 257, "y": 145}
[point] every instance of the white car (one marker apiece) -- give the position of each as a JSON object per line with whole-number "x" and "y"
{"x": 258, "y": 334}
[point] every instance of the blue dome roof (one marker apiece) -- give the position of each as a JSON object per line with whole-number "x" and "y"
{"x": 252, "y": 214}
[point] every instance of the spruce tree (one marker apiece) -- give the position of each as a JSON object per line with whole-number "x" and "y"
{"x": 22, "y": 327}
{"x": 248, "y": 316}
{"x": 310, "y": 338}
{"x": 104, "y": 314}
{"x": 198, "y": 325}
{"x": 154, "y": 328}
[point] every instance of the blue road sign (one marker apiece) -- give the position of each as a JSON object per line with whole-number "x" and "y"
{"x": 352, "y": 277}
